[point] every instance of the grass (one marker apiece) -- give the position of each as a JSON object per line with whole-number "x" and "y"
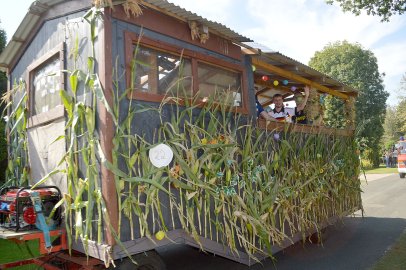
{"x": 381, "y": 170}
{"x": 395, "y": 258}
{"x": 11, "y": 252}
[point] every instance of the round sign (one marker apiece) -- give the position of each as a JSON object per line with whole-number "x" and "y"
{"x": 160, "y": 155}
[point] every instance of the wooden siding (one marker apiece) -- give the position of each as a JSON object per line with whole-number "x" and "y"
{"x": 146, "y": 123}
{"x": 310, "y": 129}
{"x": 177, "y": 29}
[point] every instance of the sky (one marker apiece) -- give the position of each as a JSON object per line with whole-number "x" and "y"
{"x": 295, "y": 28}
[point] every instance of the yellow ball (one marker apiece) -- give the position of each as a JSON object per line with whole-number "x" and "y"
{"x": 160, "y": 235}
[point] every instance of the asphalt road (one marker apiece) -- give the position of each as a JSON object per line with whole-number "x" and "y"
{"x": 356, "y": 243}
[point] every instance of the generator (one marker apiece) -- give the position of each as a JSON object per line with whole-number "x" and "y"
{"x": 20, "y": 207}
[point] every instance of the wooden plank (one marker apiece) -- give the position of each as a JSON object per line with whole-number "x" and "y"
{"x": 10, "y": 234}
{"x": 170, "y": 25}
{"x": 106, "y": 127}
{"x": 309, "y": 129}
{"x": 292, "y": 76}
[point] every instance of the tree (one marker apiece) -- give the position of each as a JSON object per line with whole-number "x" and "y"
{"x": 357, "y": 67}
{"x": 334, "y": 112}
{"x": 391, "y": 127}
{"x": 3, "y": 88}
{"x": 401, "y": 116}
{"x": 3, "y": 78}
{"x": 381, "y": 8}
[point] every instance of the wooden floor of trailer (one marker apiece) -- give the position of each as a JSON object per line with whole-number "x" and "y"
{"x": 181, "y": 237}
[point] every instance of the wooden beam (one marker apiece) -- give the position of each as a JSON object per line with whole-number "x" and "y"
{"x": 297, "y": 78}
{"x": 259, "y": 92}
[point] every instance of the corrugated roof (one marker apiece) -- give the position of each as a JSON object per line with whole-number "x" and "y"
{"x": 278, "y": 59}
{"x": 309, "y": 72}
{"x": 25, "y": 28}
{"x": 190, "y": 16}
{"x": 38, "y": 8}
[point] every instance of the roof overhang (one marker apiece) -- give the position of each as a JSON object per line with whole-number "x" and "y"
{"x": 276, "y": 66}
{"x": 24, "y": 31}
{"x": 185, "y": 15}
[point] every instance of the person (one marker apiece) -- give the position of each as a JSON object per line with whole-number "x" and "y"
{"x": 282, "y": 113}
{"x": 300, "y": 116}
{"x": 261, "y": 112}
{"x": 387, "y": 158}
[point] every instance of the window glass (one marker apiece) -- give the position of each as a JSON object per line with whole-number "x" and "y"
{"x": 157, "y": 72}
{"x": 224, "y": 84}
{"x": 45, "y": 86}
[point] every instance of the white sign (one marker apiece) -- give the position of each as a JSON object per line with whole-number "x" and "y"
{"x": 160, "y": 155}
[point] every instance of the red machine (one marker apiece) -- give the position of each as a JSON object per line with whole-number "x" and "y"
{"x": 22, "y": 212}
{"x": 17, "y": 211}
{"x": 401, "y": 148}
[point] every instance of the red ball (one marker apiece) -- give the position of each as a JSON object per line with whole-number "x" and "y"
{"x": 265, "y": 78}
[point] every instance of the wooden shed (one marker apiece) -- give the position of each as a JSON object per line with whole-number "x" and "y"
{"x": 100, "y": 88}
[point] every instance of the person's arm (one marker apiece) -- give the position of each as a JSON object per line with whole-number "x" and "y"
{"x": 266, "y": 116}
{"x": 303, "y": 104}
{"x": 262, "y": 112}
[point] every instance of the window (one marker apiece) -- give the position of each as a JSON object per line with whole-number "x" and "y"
{"x": 157, "y": 72}
{"x": 156, "y": 69}
{"x": 46, "y": 83}
{"x": 225, "y": 84}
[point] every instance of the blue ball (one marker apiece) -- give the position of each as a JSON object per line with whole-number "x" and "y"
{"x": 285, "y": 82}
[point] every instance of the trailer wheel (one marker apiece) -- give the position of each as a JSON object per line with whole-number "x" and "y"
{"x": 149, "y": 260}
{"x": 402, "y": 175}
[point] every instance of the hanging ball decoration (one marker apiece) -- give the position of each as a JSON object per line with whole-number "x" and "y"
{"x": 254, "y": 68}
{"x": 160, "y": 235}
{"x": 265, "y": 78}
{"x": 276, "y": 83}
{"x": 293, "y": 88}
{"x": 285, "y": 82}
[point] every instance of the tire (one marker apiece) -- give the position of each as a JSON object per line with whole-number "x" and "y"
{"x": 149, "y": 260}
{"x": 402, "y": 175}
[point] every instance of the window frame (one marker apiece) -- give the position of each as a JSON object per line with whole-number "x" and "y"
{"x": 132, "y": 39}
{"x": 58, "y": 111}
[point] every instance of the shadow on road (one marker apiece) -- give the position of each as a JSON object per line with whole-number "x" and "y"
{"x": 354, "y": 243}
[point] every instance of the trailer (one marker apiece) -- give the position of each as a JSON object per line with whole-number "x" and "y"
{"x": 143, "y": 114}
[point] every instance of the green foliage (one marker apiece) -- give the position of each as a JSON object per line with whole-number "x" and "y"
{"x": 381, "y": 8}
{"x": 3, "y": 142}
{"x": 237, "y": 177}
{"x": 357, "y": 67}
{"x": 401, "y": 116}
{"x": 395, "y": 120}
{"x": 3, "y": 88}
{"x": 3, "y": 78}
{"x": 366, "y": 164}
{"x": 334, "y": 115}
{"x": 392, "y": 126}
{"x": 17, "y": 168}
